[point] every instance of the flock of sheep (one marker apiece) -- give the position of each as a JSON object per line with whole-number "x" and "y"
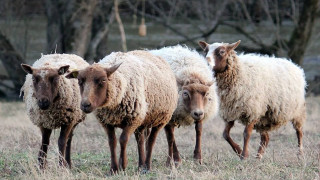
{"x": 143, "y": 91}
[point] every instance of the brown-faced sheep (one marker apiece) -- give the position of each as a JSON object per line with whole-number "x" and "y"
{"x": 132, "y": 91}
{"x": 198, "y": 100}
{"x": 53, "y": 101}
{"x": 262, "y": 92}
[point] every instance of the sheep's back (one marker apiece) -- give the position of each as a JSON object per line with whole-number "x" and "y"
{"x": 269, "y": 88}
{"x": 151, "y": 90}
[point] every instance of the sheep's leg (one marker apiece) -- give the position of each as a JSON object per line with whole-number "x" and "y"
{"x": 299, "y": 136}
{"x": 226, "y": 135}
{"x": 124, "y": 138}
{"x": 112, "y": 140}
{"x": 139, "y": 134}
{"x": 170, "y": 139}
{"x": 62, "y": 142}
{"x": 68, "y": 148}
{"x": 263, "y": 144}
{"x": 247, "y": 134}
{"x": 150, "y": 144}
{"x": 44, "y": 146}
{"x": 147, "y": 132}
{"x": 176, "y": 154}
{"x": 197, "y": 149}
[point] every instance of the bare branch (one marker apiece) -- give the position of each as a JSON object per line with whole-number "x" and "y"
{"x": 98, "y": 37}
{"x": 121, "y": 29}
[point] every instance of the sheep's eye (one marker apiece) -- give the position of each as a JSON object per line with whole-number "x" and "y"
{"x": 99, "y": 82}
{"x": 185, "y": 94}
{"x": 51, "y": 79}
{"x": 222, "y": 52}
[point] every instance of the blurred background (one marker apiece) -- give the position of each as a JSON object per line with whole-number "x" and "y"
{"x": 94, "y": 28}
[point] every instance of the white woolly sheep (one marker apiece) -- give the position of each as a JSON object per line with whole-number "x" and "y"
{"x": 198, "y": 100}
{"x": 53, "y": 101}
{"x": 262, "y": 92}
{"x": 132, "y": 91}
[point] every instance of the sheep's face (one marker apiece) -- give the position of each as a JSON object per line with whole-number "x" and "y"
{"x": 217, "y": 54}
{"x": 93, "y": 82}
{"x": 195, "y": 98}
{"x": 45, "y": 84}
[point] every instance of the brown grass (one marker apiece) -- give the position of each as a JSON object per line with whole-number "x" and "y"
{"x": 20, "y": 141}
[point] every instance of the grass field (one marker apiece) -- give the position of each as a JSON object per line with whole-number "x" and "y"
{"x": 20, "y": 142}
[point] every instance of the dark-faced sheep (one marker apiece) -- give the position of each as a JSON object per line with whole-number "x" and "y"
{"x": 198, "y": 100}
{"x": 132, "y": 91}
{"x": 53, "y": 101}
{"x": 262, "y": 92}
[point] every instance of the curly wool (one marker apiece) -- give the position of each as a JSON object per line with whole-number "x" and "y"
{"x": 66, "y": 109}
{"x": 142, "y": 91}
{"x": 268, "y": 89}
{"x": 189, "y": 66}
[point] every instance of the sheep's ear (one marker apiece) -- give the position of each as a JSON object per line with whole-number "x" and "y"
{"x": 63, "y": 69}
{"x": 28, "y": 69}
{"x": 112, "y": 69}
{"x": 73, "y": 74}
{"x": 203, "y": 44}
{"x": 233, "y": 45}
{"x": 179, "y": 82}
{"x": 209, "y": 83}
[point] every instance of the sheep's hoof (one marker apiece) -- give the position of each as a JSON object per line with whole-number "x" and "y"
{"x": 198, "y": 160}
{"x": 42, "y": 164}
{"x": 169, "y": 162}
{"x": 300, "y": 154}
{"x": 259, "y": 156}
{"x": 113, "y": 171}
{"x": 144, "y": 171}
{"x": 177, "y": 163}
{"x": 243, "y": 157}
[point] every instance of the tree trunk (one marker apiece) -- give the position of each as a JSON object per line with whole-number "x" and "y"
{"x": 69, "y": 25}
{"x": 302, "y": 32}
{"x": 97, "y": 46}
{"x": 11, "y": 61}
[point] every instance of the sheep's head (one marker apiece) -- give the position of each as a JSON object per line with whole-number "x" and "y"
{"x": 93, "y": 82}
{"x": 195, "y": 98}
{"x": 217, "y": 54}
{"x": 45, "y": 83}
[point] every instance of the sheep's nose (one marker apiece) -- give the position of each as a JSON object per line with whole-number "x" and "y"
{"x": 44, "y": 103}
{"x": 86, "y": 107}
{"x": 197, "y": 115}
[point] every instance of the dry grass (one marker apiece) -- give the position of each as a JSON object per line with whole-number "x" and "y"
{"x": 20, "y": 141}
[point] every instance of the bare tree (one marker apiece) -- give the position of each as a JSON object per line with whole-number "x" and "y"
{"x": 69, "y": 25}
{"x": 300, "y": 37}
{"x": 296, "y": 45}
{"x": 11, "y": 60}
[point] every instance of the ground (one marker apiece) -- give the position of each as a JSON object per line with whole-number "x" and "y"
{"x": 20, "y": 142}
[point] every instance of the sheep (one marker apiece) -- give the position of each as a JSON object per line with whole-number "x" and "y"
{"x": 262, "y": 92}
{"x": 53, "y": 101}
{"x": 198, "y": 100}
{"x": 132, "y": 91}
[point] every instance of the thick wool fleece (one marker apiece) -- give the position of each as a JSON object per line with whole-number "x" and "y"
{"x": 268, "y": 89}
{"x": 67, "y": 108}
{"x": 189, "y": 66}
{"x": 142, "y": 91}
